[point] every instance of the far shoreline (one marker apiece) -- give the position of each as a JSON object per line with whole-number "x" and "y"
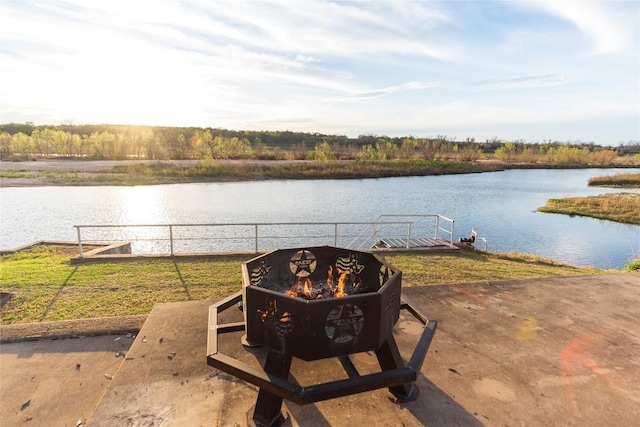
{"x": 73, "y": 172}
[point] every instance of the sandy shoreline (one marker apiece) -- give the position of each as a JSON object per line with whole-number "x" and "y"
{"x": 39, "y": 173}
{"x": 42, "y": 173}
{"x": 84, "y": 165}
{"x": 98, "y": 165}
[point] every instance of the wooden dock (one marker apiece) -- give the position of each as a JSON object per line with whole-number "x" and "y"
{"x": 414, "y": 243}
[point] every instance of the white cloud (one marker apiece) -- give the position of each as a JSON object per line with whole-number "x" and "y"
{"x": 329, "y": 66}
{"x": 376, "y": 93}
{"x": 606, "y": 26}
{"x": 522, "y": 82}
{"x": 302, "y": 58}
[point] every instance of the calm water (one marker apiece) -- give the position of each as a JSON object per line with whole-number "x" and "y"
{"x": 500, "y": 205}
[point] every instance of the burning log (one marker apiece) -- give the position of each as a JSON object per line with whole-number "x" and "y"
{"x": 304, "y": 287}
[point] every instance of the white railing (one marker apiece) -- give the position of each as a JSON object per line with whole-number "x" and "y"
{"x": 385, "y": 226}
{"x": 176, "y": 239}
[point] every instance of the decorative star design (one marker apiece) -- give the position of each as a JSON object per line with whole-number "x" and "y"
{"x": 303, "y": 263}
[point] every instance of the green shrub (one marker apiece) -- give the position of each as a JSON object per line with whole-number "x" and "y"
{"x": 633, "y": 265}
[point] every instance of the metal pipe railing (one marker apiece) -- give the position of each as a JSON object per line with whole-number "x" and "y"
{"x": 438, "y": 227}
{"x": 79, "y": 243}
{"x": 262, "y": 233}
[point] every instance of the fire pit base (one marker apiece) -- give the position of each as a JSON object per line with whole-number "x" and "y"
{"x": 273, "y": 381}
{"x": 277, "y": 421}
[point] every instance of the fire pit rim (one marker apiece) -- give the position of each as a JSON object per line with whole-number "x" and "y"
{"x": 247, "y": 282}
{"x": 313, "y": 331}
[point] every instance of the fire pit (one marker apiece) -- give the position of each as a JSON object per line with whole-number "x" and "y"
{"x": 320, "y": 302}
{"x": 315, "y": 303}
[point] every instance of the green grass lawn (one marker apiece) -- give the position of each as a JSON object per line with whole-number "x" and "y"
{"x": 46, "y": 287}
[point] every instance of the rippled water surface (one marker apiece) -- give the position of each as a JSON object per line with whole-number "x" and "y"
{"x": 500, "y": 205}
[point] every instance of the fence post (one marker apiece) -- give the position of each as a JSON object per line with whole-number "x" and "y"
{"x": 437, "y": 226}
{"x": 335, "y": 234}
{"x": 255, "y": 226}
{"x": 79, "y": 242}
{"x": 452, "y": 230}
{"x": 171, "y": 238}
{"x": 409, "y": 235}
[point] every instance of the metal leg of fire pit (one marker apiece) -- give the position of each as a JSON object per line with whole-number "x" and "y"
{"x": 274, "y": 383}
{"x": 389, "y": 358}
{"x": 267, "y": 409}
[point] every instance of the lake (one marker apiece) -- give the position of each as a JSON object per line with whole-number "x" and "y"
{"x": 500, "y": 205}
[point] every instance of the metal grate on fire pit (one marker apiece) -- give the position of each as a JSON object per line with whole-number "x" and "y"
{"x": 314, "y": 303}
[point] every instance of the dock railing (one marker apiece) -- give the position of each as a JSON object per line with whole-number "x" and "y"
{"x": 174, "y": 239}
{"x": 385, "y": 227}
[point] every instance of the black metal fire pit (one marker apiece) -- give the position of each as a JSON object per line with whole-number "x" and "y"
{"x": 315, "y": 303}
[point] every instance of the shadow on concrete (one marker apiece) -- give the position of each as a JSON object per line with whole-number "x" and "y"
{"x": 105, "y": 343}
{"x": 434, "y": 407}
{"x": 304, "y": 412}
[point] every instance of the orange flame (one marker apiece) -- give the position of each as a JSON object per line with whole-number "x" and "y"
{"x": 295, "y": 290}
{"x": 286, "y": 317}
{"x": 342, "y": 283}
{"x": 308, "y": 290}
{"x": 303, "y": 288}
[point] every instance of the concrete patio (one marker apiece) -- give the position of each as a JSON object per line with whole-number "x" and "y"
{"x": 554, "y": 351}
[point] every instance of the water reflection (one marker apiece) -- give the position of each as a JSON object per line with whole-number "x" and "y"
{"x": 142, "y": 205}
{"x": 501, "y": 206}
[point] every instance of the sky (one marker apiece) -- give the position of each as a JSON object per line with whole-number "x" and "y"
{"x": 536, "y": 71}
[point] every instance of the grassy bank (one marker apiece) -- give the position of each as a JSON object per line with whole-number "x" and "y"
{"x": 620, "y": 207}
{"x": 72, "y": 173}
{"x": 621, "y": 180}
{"x": 248, "y": 170}
{"x": 46, "y": 287}
{"x": 305, "y": 170}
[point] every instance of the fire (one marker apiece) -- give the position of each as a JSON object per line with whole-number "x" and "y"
{"x": 272, "y": 313}
{"x": 308, "y": 290}
{"x": 294, "y": 290}
{"x": 342, "y": 283}
{"x": 304, "y": 287}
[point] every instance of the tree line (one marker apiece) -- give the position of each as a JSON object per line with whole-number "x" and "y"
{"x": 28, "y": 141}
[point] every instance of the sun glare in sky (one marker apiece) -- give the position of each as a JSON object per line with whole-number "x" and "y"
{"x": 533, "y": 70}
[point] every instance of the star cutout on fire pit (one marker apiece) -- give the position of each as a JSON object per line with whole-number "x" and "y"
{"x": 303, "y": 263}
{"x": 344, "y": 323}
